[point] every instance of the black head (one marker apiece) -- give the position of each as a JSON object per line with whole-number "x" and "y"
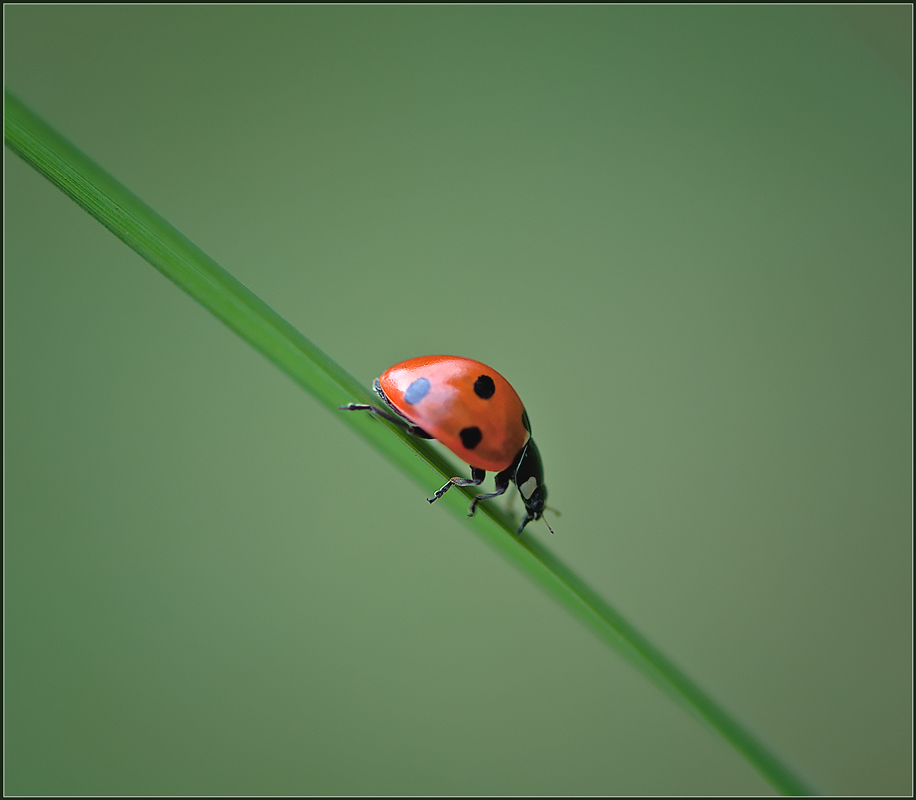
{"x": 529, "y": 478}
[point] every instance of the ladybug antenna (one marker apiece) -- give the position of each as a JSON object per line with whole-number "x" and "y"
{"x": 548, "y": 508}
{"x": 547, "y": 524}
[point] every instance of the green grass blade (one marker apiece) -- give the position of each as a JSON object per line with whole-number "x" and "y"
{"x": 200, "y": 276}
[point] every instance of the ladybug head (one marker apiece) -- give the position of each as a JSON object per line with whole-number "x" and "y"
{"x": 529, "y": 478}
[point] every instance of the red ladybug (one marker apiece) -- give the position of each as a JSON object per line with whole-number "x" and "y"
{"x": 476, "y": 414}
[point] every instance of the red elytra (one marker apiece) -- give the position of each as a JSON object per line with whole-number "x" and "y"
{"x": 475, "y": 413}
{"x": 450, "y": 406}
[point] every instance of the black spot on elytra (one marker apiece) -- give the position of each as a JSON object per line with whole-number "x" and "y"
{"x": 470, "y": 437}
{"x": 484, "y": 387}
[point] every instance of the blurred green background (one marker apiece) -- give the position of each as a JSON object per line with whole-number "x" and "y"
{"x": 682, "y": 233}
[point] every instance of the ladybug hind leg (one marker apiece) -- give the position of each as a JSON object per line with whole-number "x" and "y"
{"x": 415, "y": 430}
{"x": 477, "y": 476}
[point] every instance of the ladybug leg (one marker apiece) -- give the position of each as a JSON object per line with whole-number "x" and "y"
{"x": 502, "y": 483}
{"x": 415, "y": 430}
{"x": 477, "y": 476}
{"x": 525, "y": 521}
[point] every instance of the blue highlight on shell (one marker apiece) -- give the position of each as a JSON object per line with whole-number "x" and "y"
{"x": 416, "y": 391}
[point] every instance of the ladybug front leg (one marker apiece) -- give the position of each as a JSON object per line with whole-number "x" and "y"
{"x": 477, "y": 476}
{"x": 502, "y": 483}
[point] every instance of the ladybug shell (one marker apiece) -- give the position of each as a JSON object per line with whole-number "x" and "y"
{"x": 466, "y": 405}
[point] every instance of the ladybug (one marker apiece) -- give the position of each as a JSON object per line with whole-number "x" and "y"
{"x": 475, "y": 413}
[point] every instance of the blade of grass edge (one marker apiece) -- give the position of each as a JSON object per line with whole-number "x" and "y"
{"x": 180, "y": 260}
